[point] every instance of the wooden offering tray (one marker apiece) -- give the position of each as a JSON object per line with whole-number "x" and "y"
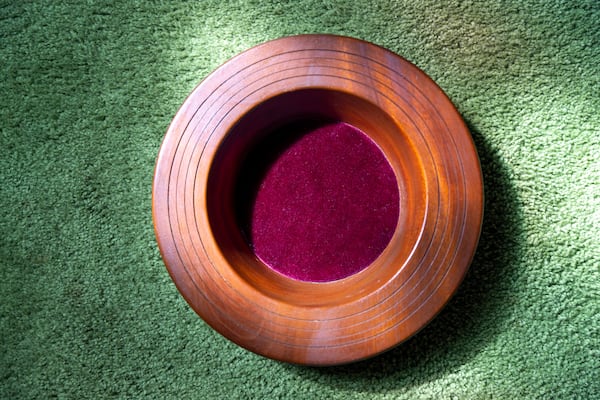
{"x": 317, "y": 199}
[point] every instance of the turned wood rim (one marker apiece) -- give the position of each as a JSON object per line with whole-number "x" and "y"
{"x": 419, "y": 131}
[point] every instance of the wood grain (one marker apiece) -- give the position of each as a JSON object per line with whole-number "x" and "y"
{"x": 419, "y": 131}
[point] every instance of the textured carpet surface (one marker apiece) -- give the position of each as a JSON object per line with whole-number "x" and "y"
{"x": 87, "y": 90}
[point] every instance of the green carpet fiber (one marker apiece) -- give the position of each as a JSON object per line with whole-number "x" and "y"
{"x": 87, "y": 90}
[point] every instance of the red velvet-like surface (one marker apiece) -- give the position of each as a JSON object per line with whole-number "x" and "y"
{"x": 325, "y": 205}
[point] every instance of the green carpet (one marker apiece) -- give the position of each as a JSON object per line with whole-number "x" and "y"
{"x": 87, "y": 90}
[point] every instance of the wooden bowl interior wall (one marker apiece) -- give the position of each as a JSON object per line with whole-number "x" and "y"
{"x": 319, "y": 105}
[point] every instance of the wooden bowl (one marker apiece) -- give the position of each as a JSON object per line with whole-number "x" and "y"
{"x": 290, "y": 81}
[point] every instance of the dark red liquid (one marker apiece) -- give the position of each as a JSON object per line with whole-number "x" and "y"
{"x": 324, "y": 201}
